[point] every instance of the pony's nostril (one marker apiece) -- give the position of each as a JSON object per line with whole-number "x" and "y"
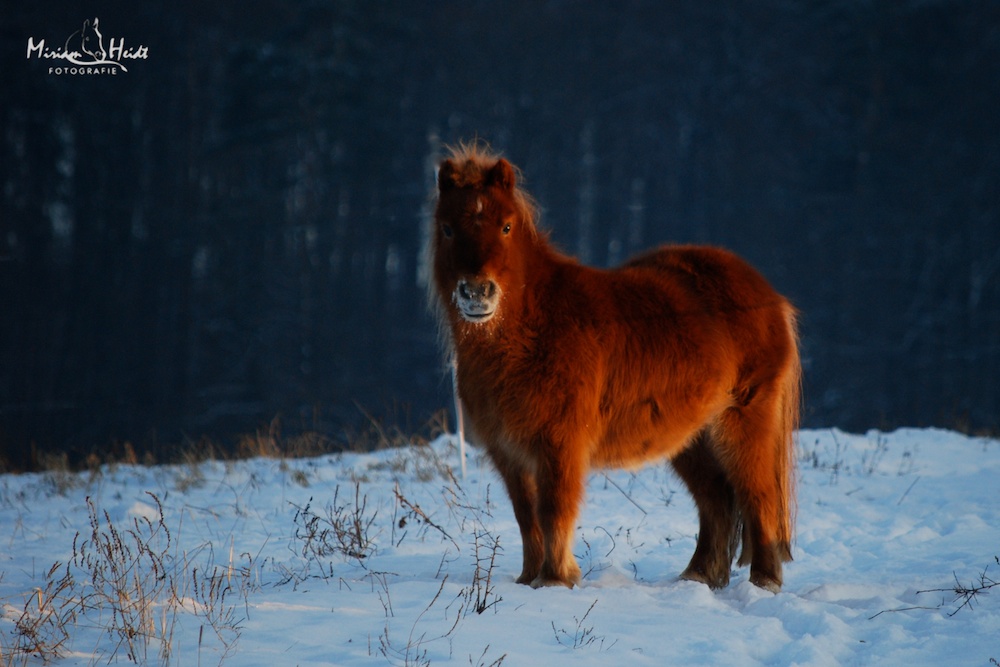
{"x": 478, "y": 290}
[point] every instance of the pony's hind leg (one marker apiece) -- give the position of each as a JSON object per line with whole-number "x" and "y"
{"x": 751, "y": 450}
{"x": 717, "y": 513}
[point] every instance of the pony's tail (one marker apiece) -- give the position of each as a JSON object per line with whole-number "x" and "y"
{"x": 791, "y": 398}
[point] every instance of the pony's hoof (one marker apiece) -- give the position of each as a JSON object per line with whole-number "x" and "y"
{"x": 541, "y": 582}
{"x": 526, "y": 578}
{"x": 768, "y": 583}
{"x": 702, "y": 578}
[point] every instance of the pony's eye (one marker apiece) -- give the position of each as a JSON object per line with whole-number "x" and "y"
{"x": 446, "y": 229}
{"x": 506, "y": 228}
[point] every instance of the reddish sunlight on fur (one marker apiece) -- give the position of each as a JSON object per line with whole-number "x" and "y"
{"x": 684, "y": 353}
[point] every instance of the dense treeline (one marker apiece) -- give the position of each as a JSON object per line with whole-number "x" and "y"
{"x": 231, "y": 230}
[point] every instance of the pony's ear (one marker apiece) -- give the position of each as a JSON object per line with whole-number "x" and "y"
{"x": 503, "y": 175}
{"x": 446, "y": 176}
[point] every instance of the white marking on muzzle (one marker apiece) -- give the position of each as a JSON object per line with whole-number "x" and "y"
{"x": 476, "y": 301}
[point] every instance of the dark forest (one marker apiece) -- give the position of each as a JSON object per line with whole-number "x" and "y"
{"x": 228, "y": 234}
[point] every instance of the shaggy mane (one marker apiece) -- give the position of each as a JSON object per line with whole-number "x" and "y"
{"x": 473, "y": 160}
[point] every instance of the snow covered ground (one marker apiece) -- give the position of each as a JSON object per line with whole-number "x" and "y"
{"x": 390, "y": 558}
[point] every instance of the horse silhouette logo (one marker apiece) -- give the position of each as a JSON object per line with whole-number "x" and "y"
{"x": 88, "y": 40}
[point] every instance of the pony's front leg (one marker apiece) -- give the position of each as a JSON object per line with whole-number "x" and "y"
{"x": 523, "y": 494}
{"x": 560, "y": 491}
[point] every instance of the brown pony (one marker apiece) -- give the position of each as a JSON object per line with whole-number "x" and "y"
{"x": 684, "y": 353}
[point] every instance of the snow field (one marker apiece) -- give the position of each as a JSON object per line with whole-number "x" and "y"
{"x": 389, "y": 558}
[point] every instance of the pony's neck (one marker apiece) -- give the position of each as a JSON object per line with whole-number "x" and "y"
{"x": 542, "y": 266}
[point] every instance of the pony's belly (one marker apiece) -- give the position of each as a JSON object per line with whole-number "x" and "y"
{"x": 636, "y": 449}
{"x": 655, "y": 428}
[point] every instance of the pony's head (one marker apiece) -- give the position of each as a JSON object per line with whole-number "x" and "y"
{"x": 484, "y": 228}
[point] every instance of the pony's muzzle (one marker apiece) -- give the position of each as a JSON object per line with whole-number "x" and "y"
{"x": 476, "y": 299}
